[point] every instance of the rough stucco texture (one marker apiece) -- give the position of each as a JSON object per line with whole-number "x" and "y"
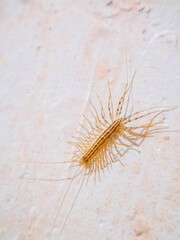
{"x": 56, "y": 55}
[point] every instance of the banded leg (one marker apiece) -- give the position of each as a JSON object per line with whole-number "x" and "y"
{"x": 102, "y": 112}
{"x": 110, "y": 105}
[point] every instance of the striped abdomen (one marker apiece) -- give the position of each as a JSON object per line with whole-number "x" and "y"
{"x": 88, "y": 158}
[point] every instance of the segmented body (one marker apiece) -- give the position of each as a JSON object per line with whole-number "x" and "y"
{"x": 101, "y": 141}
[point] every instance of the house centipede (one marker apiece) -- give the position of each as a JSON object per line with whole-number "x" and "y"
{"x": 105, "y": 142}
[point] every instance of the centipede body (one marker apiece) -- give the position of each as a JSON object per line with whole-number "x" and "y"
{"x": 101, "y": 144}
{"x": 106, "y": 139}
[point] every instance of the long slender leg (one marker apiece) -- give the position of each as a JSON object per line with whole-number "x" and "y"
{"x": 128, "y": 146}
{"x": 156, "y": 130}
{"x": 158, "y": 113}
{"x": 134, "y": 133}
{"x": 111, "y": 155}
{"x": 76, "y": 145}
{"x": 72, "y": 166}
{"x": 122, "y": 143}
{"x": 55, "y": 179}
{"x": 151, "y": 108}
{"x": 94, "y": 170}
{"x": 97, "y": 116}
{"x": 145, "y": 125}
{"x": 116, "y": 159}
{"x": 127, "y": 120}
{"x": 107, "y": 157}
{"x": 133, "y": 139}
{"x": 71, "y": 207}
{"x": 107, "y": 161}
{"x": 100, "y": 159}
{"x": 56, "y": 216}
{"x": 129, "y": 90}
{"x": 117, "y": 152}
{"x": 46, "y": 162}
{"x": 144, "y": 134}
{"x": 147, "y": 128}
{"x": 91, "y": 170}
{"x": 94, "y": 130}
{"x": 89, "y": 174}
{"x": 78, "y": 139}
{"x": 122, "y": 154}
{"x": 97, "y": 123}
{"x": 147, "y": 109}
{"x": 87, "y": 131}
{"x": 110, "y": 105}
{"x": 102, "y": 112}
{"x": 83, "y": 135}
{"x": 103, "y": 155}
{"x": 104, "y": 158}
{"x": 98, "y": 167}
{"x": 121, "y": 101}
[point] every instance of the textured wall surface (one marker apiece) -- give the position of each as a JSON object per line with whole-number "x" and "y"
{"x": 55, "y": 56}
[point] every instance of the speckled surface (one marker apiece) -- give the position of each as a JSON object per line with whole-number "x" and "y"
{"x": 54, "y": 57}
